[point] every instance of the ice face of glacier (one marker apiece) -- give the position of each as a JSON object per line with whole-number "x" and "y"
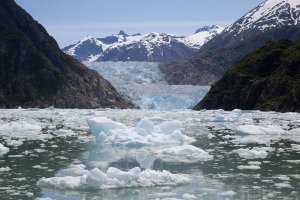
{"x": 144, "y": 84}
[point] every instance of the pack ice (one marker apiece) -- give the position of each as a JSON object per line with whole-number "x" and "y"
{"x": 16, "y": 132}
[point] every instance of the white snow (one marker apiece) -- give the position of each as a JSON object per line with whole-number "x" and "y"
{"x": 115, "y": 178}
{"x": 280, "y": 12}
{"x": 149, "y": 41}
{"x": 197, "y": 40}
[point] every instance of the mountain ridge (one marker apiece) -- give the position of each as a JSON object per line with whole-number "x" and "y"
{"x": 152, "y": 47}
{"x": 209, "y": 63}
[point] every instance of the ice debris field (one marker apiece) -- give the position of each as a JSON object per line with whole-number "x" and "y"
{"x": 148, "y": 154}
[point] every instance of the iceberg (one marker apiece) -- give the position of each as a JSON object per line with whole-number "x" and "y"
{"x": 144, "y": 134}
{"x": 3, "y": 149}
{"x": 115, "y": 178}
{"x": 255, "y": 153}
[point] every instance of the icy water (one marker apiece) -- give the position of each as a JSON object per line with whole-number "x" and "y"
{"x": 52, "y": 154}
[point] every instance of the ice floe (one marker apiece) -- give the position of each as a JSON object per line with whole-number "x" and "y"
{"x": 184, "y": 153}
{"x": 254, "y": 153}
{"x": 115, "y": 178}
{"x": 144, "y": 134}
{"x": 3, "y": 149}
{"x": 260, "y": 129}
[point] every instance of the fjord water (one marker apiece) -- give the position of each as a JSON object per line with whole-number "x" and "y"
{"x": 246, "y": 155}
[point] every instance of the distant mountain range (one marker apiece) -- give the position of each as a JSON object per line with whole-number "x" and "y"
{"x": 153, "y": 47}
{"x": 270, "y": 21}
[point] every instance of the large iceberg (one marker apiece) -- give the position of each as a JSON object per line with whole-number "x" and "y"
{"x": 115, "y": 178}
{"x": 144, "y": 134}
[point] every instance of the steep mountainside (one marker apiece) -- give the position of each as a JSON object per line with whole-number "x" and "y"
{"x": 153, "y": 47}
{"x": 34, "y": 72}
{"x": 270, "y": 21}
{"x": 268, "y": 79}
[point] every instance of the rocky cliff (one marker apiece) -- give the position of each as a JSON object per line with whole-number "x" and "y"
{"x": 34, "y": 72}
{"x": 267, "y": 79}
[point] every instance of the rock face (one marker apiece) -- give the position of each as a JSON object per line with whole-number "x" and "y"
{"x": 272, "y": 20}
{"x": 34, "y": 72}
{"x": 153, "y": 47}
{"x": 268, "y": 80}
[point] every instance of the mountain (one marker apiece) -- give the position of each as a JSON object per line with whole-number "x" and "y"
{"x": 267, "y": 79}
{"x": 34, "y": 72}
{"x": 153, "y": 47}
{"x": 270, "y": 21}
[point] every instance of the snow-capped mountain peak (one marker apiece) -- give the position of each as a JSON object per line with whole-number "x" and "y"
{"x": 154, "y": 47}
{"x": 270, "y": 14}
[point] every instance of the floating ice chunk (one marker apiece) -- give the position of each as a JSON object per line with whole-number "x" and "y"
{"x": 51, "y": 108}
{"x": 146, "y": 124}
{"x": 3, "y": 150}
{"x": 260, "y": 129}
{"x": 14, "y": 133}
{"x": 95, "y": 178}
{"x": 103, "y": 124}
{"x": 117, "y": 134}
{"x": 249, "y": 167}
{"x": 227, "y": 193}
{"x": 66, "y": 182}
{"x": 26, "y": 126}
{"x": 64, "y": 133}
{"x": 185, "y": 153}
{"x": 4, "y": 169}
{"x": 255, "y": 153}
{"x": 74, "y": 170}
{"x": 169, "y": 127}
{"x": 283, "y": 185}
{"x": 187, "y": 196}
{"x": 295, "y": 147}
{"x": 115, "y": 178}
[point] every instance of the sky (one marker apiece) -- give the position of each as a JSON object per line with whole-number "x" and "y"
{"x": 70, "y": 20}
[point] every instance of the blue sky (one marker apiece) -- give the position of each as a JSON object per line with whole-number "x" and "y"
{"x": 70, "y": 20}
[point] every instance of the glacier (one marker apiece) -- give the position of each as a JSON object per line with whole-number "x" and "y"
{"x": 144, "y": 84}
